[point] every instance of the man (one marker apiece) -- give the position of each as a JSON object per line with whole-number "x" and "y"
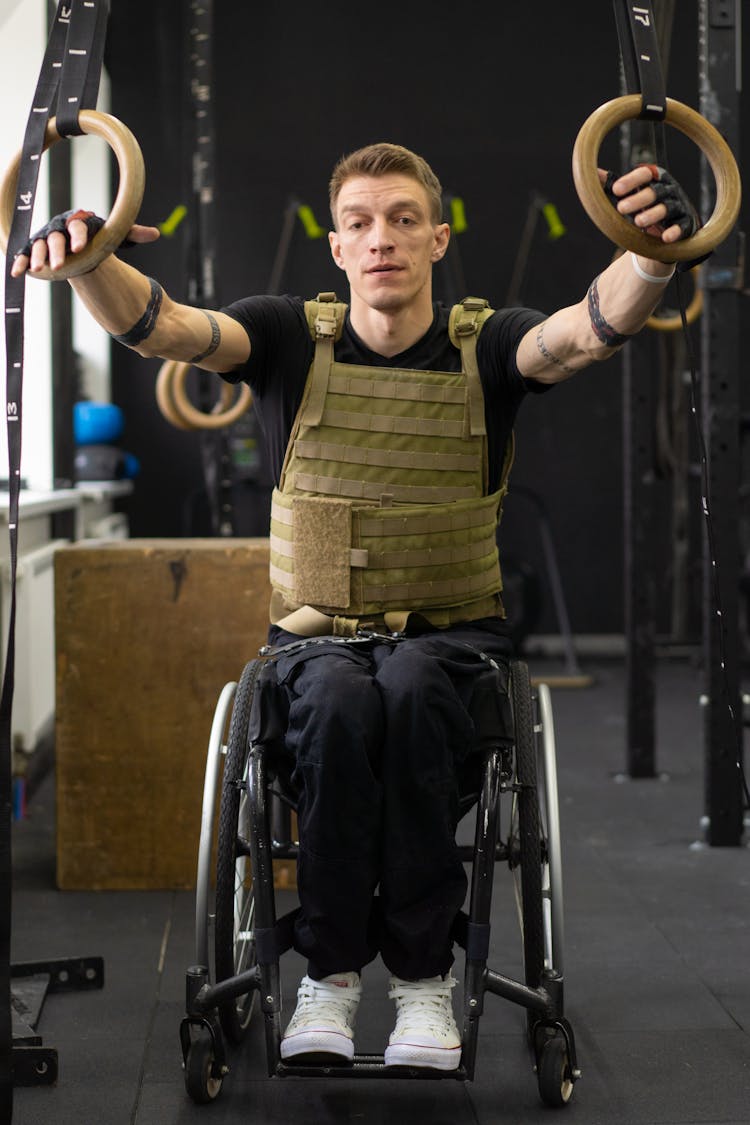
{"x": 390, "y": 438}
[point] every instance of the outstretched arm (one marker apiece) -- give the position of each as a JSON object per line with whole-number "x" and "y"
{"x": 136, "y": 311}
{"x": 618, "y": 302}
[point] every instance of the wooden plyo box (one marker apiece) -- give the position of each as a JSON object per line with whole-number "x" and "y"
{"x": 148, "y": 631}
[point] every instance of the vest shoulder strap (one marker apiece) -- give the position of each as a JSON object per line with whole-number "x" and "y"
{"x": 464, "y": 325}
{"x": 467, "y": 319}
{"x": 325, "y": 316}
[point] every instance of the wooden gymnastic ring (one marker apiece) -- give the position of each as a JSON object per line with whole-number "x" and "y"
{"x": 165, "y": 383}
{"x": 177, "y": 408}
{"x": 217, "y": 418}
{"x": 692, "y": 312}
{"x": 614, "y": 225}
{"x": 126, "y": 206}
{"x": 164, "y": 399}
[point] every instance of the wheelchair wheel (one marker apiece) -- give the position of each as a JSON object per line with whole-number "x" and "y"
{"x": 200, "y": 1081}
{"x": 204, "y": 895}
{"x": 234, "y": 941}
{"x": 549, "y": 812}
{"x": 554, "y": 1074}
{"x": 525, "y": 849}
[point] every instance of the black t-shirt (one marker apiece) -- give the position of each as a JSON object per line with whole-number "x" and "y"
{"x": 282, "y": 351}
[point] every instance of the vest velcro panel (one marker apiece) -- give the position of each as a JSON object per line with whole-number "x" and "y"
{"x": 445, "y": 554}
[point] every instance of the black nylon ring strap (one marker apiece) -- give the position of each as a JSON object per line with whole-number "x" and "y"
{"x": 640, "y": 56}
{"x": 76, "y": 38}
{"x": 82, "y": 62}
{"x": 641, "y": 63}
{"x": 14, "y": 309}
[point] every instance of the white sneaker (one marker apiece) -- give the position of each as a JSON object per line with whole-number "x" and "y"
{"x": 323, "y": 1021}
{"x": 425, "y": 1033}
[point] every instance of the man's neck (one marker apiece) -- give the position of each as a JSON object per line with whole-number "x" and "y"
{"x": 390, "y": 333}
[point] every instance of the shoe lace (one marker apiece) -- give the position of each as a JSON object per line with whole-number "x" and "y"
{"x": 424, "y": 1001}
{"x": 321, "y": 1001}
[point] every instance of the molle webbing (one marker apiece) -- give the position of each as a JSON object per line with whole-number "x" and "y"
{"x": 382, "y": 502}
{"x": 330, "y": 554}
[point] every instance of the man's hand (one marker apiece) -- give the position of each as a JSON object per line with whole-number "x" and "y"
{"x": 653, "y": 200}
{"x": 68, "y": 233}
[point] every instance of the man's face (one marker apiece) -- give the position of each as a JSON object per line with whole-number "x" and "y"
{"x": 385, "y": 240}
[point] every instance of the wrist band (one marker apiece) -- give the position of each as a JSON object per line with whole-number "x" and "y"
{"x": 649, "y": 276}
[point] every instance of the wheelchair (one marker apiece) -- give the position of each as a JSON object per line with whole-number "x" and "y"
{"x": 239, "y": 939}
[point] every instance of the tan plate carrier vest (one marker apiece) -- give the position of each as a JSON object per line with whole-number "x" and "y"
{"x": 382, "y": 507}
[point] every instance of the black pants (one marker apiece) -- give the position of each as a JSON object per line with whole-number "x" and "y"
{"x": 386, "y": 738}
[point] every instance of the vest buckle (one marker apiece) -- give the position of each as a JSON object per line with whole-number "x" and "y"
{"x": 325, "y": 328}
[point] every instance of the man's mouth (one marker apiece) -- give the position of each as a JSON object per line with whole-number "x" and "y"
{"x": 384, "y": 268}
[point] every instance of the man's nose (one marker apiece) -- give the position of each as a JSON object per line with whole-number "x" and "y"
{"x": 381, "y": 236}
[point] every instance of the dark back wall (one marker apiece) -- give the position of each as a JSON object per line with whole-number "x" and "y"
{"x": 493, "y": 97}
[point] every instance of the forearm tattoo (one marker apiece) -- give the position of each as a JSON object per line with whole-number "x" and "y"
{"x": 215, "y": 338}
{"x": 145, "y": 326}
{"x": 550, "y": 356}
{"x": 602, "y": 329}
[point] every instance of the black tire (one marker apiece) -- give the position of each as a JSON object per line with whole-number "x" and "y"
{"x": 200, "y": 1084}
{"x": 526, "y": 846}
{"x": 549, "y": 823}
{"x": 234, "y": 947}
{"x": 553, "y": 1072}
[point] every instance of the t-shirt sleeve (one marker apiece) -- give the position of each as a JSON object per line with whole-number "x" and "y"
{"x": 277, "y": 330}
{"x": 497, "y": 348}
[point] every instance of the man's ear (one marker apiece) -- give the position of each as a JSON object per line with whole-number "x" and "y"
{"x": 335, "y": 245}
{"x": 442, "y": 238}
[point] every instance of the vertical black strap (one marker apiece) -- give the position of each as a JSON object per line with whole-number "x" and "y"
{"x": 90, "y": 37}
{"x": 82, "y": 63}
{"x": 14, "y": 295}
{"x": 639, "y": 47}
{"x": 642, "y": 69}
{"x": 203, "y": 272}
{"x": 214, "y": 444}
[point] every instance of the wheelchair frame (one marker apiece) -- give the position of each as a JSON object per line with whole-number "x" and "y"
{"x": 254, "y": 829}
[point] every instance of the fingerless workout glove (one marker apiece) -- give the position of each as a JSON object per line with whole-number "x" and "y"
{"x": 668, "y": 191}
{"x": 59, "y": 223}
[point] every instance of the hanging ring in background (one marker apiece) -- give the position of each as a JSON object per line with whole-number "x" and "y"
{"x": 673, "y": 323}
{"x": 614, "y": 225}
{"x": 124, "y": 211}
{"x": 692, "y": 312}
{"x": 178, "y": 409}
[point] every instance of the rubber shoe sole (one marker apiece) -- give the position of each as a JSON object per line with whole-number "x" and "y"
{"x": 415, "y": 1054}
{"x": 327, "y": 1047}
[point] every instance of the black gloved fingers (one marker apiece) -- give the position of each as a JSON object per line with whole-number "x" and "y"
{"x": 59, "y": 224}
{"x": 607, "y": 188}
{"x": 669, "y": 192}
{"x": 94, "y": 223}
{"x": 678, "y": 207}
{"x": 680, "y": 211}
{"x": 675, "y": 216}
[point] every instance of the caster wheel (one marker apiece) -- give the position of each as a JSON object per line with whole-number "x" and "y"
{"x": 553, "y": 1072}
{"x": 200, "y": 1083}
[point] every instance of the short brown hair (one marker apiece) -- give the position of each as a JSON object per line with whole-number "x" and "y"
{"x": 381, "y": 160}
